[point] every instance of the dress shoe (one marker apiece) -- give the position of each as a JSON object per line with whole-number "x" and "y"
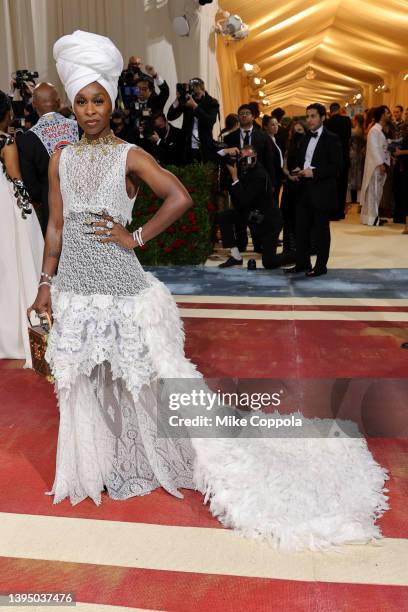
{"x": 316, "y": 272}
{"x": 404, "y": 345}
{"x": 231, "y": 261}
{"x": 296, "y": 270}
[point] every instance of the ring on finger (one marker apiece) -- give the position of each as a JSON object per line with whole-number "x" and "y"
{"x": 109, "y": 233}
{"x": 109, "y": 224}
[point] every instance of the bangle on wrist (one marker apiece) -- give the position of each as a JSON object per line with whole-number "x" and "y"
{"x": 47, "y": 276}
{"x": 44, "y": 283}
{"x": 137, "y": 236}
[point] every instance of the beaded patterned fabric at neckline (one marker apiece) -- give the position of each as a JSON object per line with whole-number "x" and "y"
{"x": 101, "y": 144}
{"x": 109, "y": 139}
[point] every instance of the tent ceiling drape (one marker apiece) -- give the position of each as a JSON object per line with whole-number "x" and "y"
{"x": 350, "y": 44}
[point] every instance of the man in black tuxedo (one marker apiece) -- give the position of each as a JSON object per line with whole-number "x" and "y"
{"x": 167, "y": 142}
{"x": 341, "y": 125}
{"x": 319, "y": 164}
{"x": 51, "y": 132}
{"x": 246, "y": 135}
{"x": 200, "y": 112}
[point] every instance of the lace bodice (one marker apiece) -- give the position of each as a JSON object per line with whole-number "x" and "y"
{"x": 93, "y": 178}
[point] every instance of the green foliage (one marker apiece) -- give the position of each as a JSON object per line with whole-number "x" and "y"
{"x": 189, "y": 239}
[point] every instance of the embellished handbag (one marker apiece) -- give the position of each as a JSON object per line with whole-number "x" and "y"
{"x": 38, "y": 337}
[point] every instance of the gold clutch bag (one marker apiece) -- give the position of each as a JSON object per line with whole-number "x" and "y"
{"x": 38, "y": 336}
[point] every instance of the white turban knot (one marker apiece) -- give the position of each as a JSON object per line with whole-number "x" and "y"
{"x": 83, "y": 58}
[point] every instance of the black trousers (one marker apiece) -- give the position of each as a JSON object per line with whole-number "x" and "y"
{"x": 312, "y": 220}
{"x": 233, "y": 227}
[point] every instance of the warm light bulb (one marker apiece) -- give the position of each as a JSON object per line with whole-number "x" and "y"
{"x": 261, "y": 94}
{"x": 248, "y": 67}
{"x": 358, "y": 96}
{"x": 257, "y": 81}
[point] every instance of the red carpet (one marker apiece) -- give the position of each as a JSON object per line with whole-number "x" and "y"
{"x": 314, "y": 351}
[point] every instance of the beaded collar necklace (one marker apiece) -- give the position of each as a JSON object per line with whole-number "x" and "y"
{"x": 103, "y": 141}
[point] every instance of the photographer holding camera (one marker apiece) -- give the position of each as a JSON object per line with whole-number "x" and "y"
{"x": 253, "y": 205}
{"x": 200, "y": 113}
{"x": 167, "y": 142}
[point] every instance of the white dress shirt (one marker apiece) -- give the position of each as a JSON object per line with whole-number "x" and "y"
{"x": 311, "y": 148}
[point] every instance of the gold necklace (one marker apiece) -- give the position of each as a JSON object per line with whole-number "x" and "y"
{"x": 103, "y": 141}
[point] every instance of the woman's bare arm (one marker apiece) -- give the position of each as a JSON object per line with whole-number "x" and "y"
{"x": 53, "y": 238}
{"x": 165, "y": 185}
{"x": 11, "y": 161}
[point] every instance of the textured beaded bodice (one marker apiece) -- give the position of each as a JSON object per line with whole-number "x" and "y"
{"x": 93, "y": 180}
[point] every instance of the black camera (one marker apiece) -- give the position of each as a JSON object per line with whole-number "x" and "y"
{"x": 232, "y": 159}
{"x": 256, "y": 217}
{"x": 185, "y": 90}
{"x": 127, "y": 76}
{"x": 20, "y": 78}
{"x": 147, "y": 128}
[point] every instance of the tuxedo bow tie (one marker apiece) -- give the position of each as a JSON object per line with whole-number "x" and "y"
{"x": 313, "y": 134}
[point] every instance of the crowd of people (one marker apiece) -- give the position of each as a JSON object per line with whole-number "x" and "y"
{"x": 276, "y": 172}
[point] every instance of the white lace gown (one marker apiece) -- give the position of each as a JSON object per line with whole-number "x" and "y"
{"x": 21, "y": 252}
{"x": 116, "y": 333}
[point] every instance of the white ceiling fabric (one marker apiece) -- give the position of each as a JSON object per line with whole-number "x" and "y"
{"x": 350, "y": 44}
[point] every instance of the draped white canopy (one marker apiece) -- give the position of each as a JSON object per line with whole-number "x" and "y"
{"x": 352, "y": 46}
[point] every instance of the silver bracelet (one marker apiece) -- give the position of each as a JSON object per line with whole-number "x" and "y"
{"x": 45, "y": 283}
{"x": 137, "y": 235}
{"x": 46, "y": 276}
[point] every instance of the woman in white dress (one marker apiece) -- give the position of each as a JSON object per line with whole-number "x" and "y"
{"x": 21, "y": 248}
{"x": 117, "y": 336}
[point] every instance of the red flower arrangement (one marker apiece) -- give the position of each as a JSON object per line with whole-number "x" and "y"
{"x": 188, "y": 240}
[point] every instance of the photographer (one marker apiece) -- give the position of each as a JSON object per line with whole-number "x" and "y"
{"x": 253, "y": 205}
{"x": 120, "y": 127}
{"x": 200, "y": 113}
{"x": 248, "y": 134}
{"x": 167, "y": 142}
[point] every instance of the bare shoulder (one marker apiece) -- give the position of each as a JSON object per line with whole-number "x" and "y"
{"x": 138, "y": 159}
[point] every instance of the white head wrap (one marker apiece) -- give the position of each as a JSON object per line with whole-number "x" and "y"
{"x": 82, "y": 58}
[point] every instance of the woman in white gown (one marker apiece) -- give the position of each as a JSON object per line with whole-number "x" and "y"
{"x": 21, "y": 249}
{"x": 117, "y": 334}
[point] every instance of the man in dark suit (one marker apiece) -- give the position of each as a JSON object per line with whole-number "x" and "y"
{"x": 319, "y": 164}
{"x": 254, "y": 205}
{"x": 51, "y": 132}
{"x": 200, "y": 112}
{"x": 167, "y": 142}
{"x": 247, "y": 134}
{"x": 341, "y": 125}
